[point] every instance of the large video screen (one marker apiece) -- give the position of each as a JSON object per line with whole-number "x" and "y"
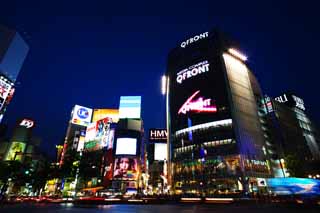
{"x": 16, "y": 151}
{"x": 112, "y": 114}
{"x": 125, "y": 168}
{"x": 126, "y": 146}
{"x": 160, "y": 151}
{"x": 198, "y": 89}
{"x": 99, "y": 135}
{"x": 5, "y": 88}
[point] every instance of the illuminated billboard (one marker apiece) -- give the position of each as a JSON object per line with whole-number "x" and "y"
{"x": 197, "y": 105}
{"x": 99, "y": 135}
{"x": 130, "y": 107}
{"x": 160, "y": 151}
{"x": 289, "y": 186}
{"x": 5, "y": 89}
{"x": 198, "y": 92}
{"x": 291, "y": 100}
{"x": 126, "y": 146}
{"x": 80, "y": 144}
{"x": 158, "y": 135}
{"x": 125, "y": 168}
{"x": 99, "y": 114}
{"x": 81, "y": 115}
{"x": 16, "y": 151}
{"x": 27, "y": 123}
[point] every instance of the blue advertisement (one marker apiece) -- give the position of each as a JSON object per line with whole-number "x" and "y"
{"x": 289, "y": 186}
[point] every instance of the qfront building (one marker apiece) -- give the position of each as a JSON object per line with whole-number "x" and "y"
{"x": 215, "y": 140}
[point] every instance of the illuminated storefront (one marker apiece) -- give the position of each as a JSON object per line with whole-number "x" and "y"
{"x": 128, "y": 148}
{"x": 215, "y": 137}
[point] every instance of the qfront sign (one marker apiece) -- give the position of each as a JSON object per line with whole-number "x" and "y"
{"x": 192, "y": 71}
{"x": 197, "y": 105}
{"x": 194, "y": 39}
{"x": 27, "y": 123}
{"x": 159, "y": 135}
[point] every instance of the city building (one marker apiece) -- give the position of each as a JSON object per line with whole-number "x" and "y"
{"x": 216, "y": 140}
{"x": 97, "y": 153}
{"x": 79, "y": 120}
{"x": 21, "y": 144}
{"x": 128, "y": 169}
{"x": 23, "y": 150}
{"x": 292, "y": 137}
{"x": 13, "y": 51}
{"x": 157, "y": 161}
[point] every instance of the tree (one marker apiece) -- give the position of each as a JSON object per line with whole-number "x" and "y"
{"x": 9, "y": 170}
{"x": 294, "y": 165}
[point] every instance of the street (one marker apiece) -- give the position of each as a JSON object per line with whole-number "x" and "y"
{"x": 185, "y": 208}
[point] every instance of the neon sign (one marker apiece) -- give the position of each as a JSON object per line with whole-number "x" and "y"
{"x": 199, "y": 105}
{"x": 194, "y": 39}
{"x": 27, "y": 123}
{"x": 193, "y": 70}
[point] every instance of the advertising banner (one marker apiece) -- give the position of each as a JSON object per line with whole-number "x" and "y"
{"x": 80, "y": 144}
{"x": 108, "y": 167}
{"x": 16, "y": 151}
{"x": 99, "y": 135}
{"x": 160, "y": 151}
{"x": 81, "y": 115}
{"x": 99, "y": 114}
{"x": 5, "y": 88}
{"x": 126, "y": 146}
{"x": 198, "y": 92}
{"x": 125, "y": 168}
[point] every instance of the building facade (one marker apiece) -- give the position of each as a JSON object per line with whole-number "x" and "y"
{"x": 13, "y": 51}
{"x": 293, "y": 136}
{"x": 215, "y": 134}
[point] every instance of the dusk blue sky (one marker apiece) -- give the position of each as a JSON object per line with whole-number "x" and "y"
{"x": 92, "y": 52}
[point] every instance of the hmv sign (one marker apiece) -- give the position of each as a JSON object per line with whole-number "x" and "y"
{"x": 158, "y": 135}
{"x": 27, "y": 123}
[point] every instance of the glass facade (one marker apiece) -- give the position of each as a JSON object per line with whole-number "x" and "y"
{"x": 215, "y": 136}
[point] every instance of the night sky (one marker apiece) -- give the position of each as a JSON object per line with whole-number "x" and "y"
{"x": 92, "y": 52}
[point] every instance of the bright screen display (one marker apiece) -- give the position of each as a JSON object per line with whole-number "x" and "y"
{"x": 286, "y": 186}
{"x": 80, "y": 144}
{"x": 130, "y": 107}
{"x": 99, "y": 114}
{"x": 16, "y": 151}
{"x": 5, "y": 88}
{"x": 99, "y": 135}
{"x": 125, "y": 168}
{"x": 126, "y": 146}
{"x": 160, "y": 151}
